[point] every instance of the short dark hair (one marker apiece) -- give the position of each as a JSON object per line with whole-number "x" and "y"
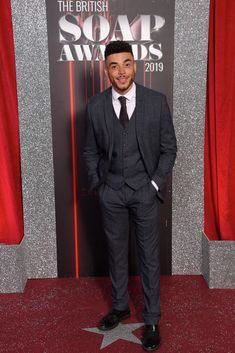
{"x": 118, "y": 46}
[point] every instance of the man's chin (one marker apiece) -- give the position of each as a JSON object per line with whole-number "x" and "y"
{"x": 125, "y": 87}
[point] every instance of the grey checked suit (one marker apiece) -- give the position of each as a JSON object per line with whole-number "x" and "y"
{"x": 154, "y": 141}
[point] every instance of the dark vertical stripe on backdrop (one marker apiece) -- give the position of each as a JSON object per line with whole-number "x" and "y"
{"x": 219, "y": 193}
{"x": 11, "y": 213}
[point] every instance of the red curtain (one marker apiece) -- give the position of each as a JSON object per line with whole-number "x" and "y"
{"x": 11, "y": 214}
{"x": 219, "y": 204}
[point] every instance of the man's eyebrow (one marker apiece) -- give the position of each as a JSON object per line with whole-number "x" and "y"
{"x": 113, "y": 63}
{"x": 116, "y": 63}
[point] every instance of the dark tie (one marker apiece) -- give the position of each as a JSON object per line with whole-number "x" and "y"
{"x": 123, "y": 117}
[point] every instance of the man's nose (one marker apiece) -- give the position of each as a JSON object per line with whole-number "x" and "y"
{"x": 121, "y": 69}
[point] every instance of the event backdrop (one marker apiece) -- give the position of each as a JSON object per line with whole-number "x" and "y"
{"x": 77, "y": 34}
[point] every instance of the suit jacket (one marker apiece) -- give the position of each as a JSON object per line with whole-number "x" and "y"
{"x": 154, "y": 130}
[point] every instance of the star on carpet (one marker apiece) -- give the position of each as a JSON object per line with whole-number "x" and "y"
{"x": 122, "y": 331}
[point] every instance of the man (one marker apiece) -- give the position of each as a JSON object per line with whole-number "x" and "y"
{"x": 130, "y": 149}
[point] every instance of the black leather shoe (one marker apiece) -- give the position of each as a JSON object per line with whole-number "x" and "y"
{"x": 151, "y": 339}
{"x": 111, "y": 320}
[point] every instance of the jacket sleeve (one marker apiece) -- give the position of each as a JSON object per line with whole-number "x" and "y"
{"x": 91, "y": 152}
{"x": 168, "y": 148}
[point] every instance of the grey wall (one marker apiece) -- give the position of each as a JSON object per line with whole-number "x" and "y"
{"x": 190, "y": 69}
{"x": 32, "y": 67}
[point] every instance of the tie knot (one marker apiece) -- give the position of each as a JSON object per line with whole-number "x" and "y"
{"x": 122, "y": 100}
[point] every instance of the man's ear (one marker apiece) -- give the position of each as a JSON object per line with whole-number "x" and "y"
{"x": 135, "y": 66}
{"x": 105, "y": 70}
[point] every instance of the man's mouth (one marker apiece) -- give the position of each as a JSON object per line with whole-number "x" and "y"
{"x": 122, "y": 79}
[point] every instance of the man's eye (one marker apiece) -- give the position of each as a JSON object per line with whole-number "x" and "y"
{"x": 113, "y": 67}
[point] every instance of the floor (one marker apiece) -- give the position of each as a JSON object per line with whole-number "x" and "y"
{"x": 60, "y": 316}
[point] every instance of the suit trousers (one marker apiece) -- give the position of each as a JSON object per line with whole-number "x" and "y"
{"x": 143, "y": 206}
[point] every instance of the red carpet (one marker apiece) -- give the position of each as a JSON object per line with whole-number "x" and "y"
{"x": 50, "y": 317}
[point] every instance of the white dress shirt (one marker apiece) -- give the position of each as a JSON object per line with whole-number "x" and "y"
{"x": 130, "y": 101}
{"x": 130, "y": 106}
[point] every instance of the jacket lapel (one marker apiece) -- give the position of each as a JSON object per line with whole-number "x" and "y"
{"x": 108, "y": 114}
{"x": 139, "y": 116}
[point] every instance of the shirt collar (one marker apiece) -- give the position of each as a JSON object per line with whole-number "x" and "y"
{"x": 129, "y": 95}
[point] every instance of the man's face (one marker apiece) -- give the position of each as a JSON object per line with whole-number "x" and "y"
{"x": 121, "y": 70}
